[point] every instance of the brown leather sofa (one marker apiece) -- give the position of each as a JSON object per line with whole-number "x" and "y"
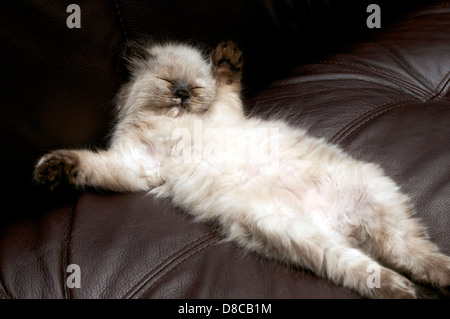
{"x": 381, "y": 94}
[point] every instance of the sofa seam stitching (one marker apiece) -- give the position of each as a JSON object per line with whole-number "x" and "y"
{"x": 439, "y": 89}
{"x": 367, "y": 120}
{"x": 174, "y": 255}
{"x": 343, "y": 131}
{"x": 65, "y": 253}
{"x": 149, "y": 276}
{"x": 179, "y": 250}
{"x": 425, "y": 92}
{"x": 5, "y": 294}
{"x": 121, "y": 21}
{"x": 215, "y": 240}
{"x": 409, "y": 68}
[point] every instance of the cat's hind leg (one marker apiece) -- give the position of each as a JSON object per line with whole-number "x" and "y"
{"x": 401, "y": 242}
{"x": 326, "y": 253}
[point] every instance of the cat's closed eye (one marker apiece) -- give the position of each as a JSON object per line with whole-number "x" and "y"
{"x": 166, "y": 80}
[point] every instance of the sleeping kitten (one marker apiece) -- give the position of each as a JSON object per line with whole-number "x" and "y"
{"x": 181, "y": 133}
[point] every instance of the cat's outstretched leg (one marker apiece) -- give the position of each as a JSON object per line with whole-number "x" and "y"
{"x": 326, "y": 253}
{"x": 401, "y": 242}
{"x": 228, "y": 62}
{"x": 109, "y": 170}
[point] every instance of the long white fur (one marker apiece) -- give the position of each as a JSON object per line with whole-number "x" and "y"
{"x": 299, "y": 199}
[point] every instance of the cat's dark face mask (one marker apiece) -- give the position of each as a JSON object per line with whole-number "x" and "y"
{"x": 171, "y": 79}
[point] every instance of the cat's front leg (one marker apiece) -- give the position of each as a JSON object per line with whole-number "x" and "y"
{"x": 228, "y": 62}
{"x": 109, "y": 170}
{"x": 57, "y": 168}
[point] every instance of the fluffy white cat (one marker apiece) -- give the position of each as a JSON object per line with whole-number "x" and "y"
{"x": 181, "y": 133}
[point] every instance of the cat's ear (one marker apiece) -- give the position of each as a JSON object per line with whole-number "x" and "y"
{"x": 136, "y": 50}
{"x": 136, "y": 53}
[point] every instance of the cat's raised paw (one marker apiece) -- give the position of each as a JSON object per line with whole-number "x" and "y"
{"x": 227, "y": 55}
{"x": 57, "y": 168}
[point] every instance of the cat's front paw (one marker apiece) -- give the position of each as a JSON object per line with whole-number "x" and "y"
{"x": 57, "y": 168}
{"x": 227, "y": 57}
